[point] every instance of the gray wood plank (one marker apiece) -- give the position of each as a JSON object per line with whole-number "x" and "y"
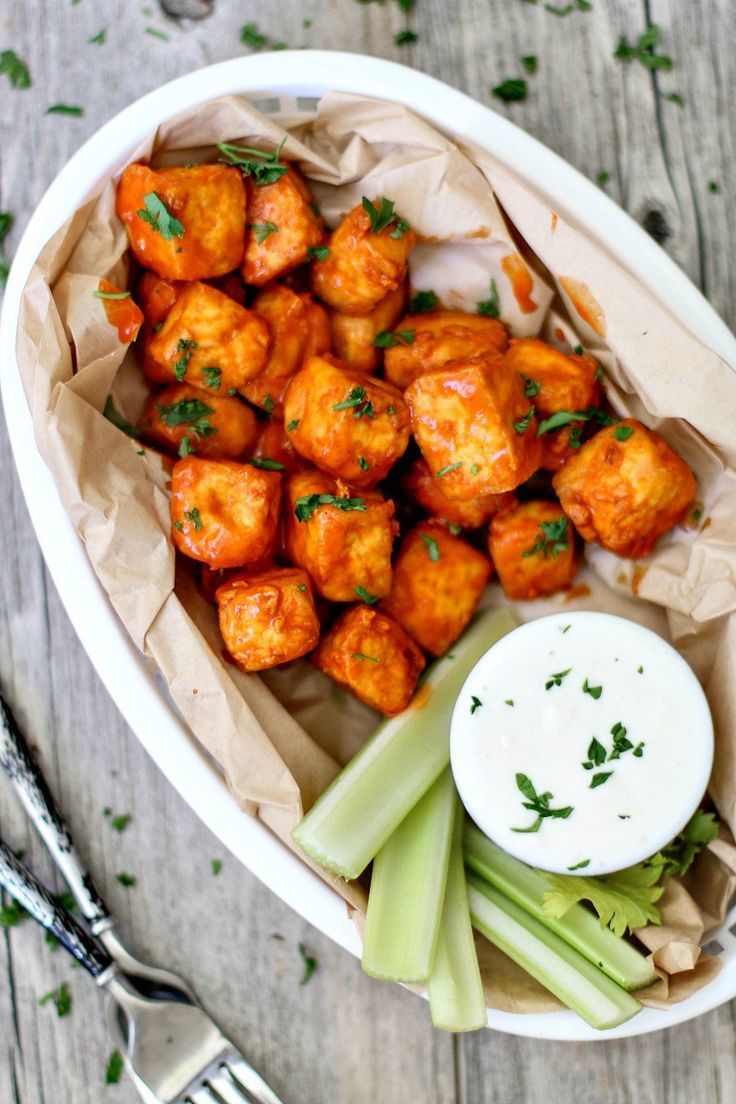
{"x": 341, "y": 1037}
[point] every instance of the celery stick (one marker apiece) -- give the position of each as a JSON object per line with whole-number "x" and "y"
{"x": 455, "y": 989}
{"x": 408, "y": 888}
{"x": 370, "y": 797}
{"x": 562, "y": 970}
{"x": 578, "y": 927}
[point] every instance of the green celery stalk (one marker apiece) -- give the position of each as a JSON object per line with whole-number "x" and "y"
{"x": 578, "y": 927}
{"x": 561, "y": 969}
{"x": 456, "y": 997}
{"x": 408, "y": 888}
{"x": 369, "y": 798}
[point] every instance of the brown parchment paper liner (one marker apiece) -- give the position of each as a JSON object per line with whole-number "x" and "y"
{"x": 281, "y": 738}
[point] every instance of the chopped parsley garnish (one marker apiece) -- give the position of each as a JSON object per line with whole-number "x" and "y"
{"x": 185, "y": 346}
{"x": 456, "y": 530}
{"x": 61, "y": 999}
{"x": 363, "y": 464}
{"x": 621, "y": 742}
{"x": 292, "y": 425}
{"x": 530, "y": 63}
{"x": 127, "y": 880}
{"x": 263, "y": 229}
{"x": 187, "y": 447}
{"x": 251, "y": 36}
{"x": 433, "y": 549}
{"x": 565, "y": 628}
{"x": 99, "y": 38}
{"x": 596, "y": 755}
{"x": 640, "y": 670}
{"x": 365, "y": 596}
{"x": 405, "y": 38}
{"x": 714, "y": 187}
{"x": 598, "y": 779}
{"x": 551, "y": 540}
{"x": 266, "y": 463}
{"x": 382, "y": 215}
{"x": 564, "y": 417}
{"x": 490, "y": 307}
{"x": 602, "y": 177}
{"x": 422, "y": 302}
{"x": 594, "y": 691}
{"x": 14, "y": 69}
{"x": 356, "y": 399}
{"x": 65, "y": 109}
{"x": 113, "y": 415}
{"x": 532, "y": 388}
{"x": 578, "y": 350}
{"x": 194, "y": 516}
{"x": 644, "y": 51}
{"x": 114, "y": 1069}
{"x": 386, "y": 340}
{"x": 523, "y": 424}
{"x": 362, "y": 655}
{"x": 509, "y": 701}
{"x": 265, "y": 168}
{"x": 268, "y": 403}
{"x": 305, "y": 507}
{"x": 474, "y": 469}
{"x": 511, "y": 90}
{"x": 622, "y": 432}
{"x": 581, "y": 865}
{"x": 120, "y": 823}
{"x": 212, "y": 378}
{"x": 318, "y": 252}
{"x": 191, "y": 413}
{"x": 111, "y": 294}
{"x": 556, "y": 680}
{"x": 638, "y": 751}
{"x": 675, "y": 98}
{"x": 6, "y": 223}
{"x": 155, "y": 33}
{"x": 539, "y": 804}
{"x": 216, "y": 867}
{"x": 159, "y": 217}
{"x": 310, "y": 964}
{"x": 448, "y": 468}
{"x": 179, "y": 526}
{"x": 475, "y": 703}
{"x": 12, "y": 914}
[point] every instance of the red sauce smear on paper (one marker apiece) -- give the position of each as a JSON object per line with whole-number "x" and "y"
{"x": 636, "y": 579}
{"x": 521, "y": 282}
{"x": 588, "y": 307}
{"x": 560, "y": 335}
{"x": 123, "y": 314}
{"x": 582, "y": 590}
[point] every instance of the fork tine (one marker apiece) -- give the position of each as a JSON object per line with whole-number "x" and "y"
{"x": 202, "y": 1096}
{"x": 225, "y": 1091}
{"x": 249, "y": 1082}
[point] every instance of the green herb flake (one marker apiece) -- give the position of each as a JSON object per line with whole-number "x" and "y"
{"x": 565, "y": 628}
{"x": 509, "y": 701}
{"x": 596, "y": 755}
{"x": 305, "y": 507}
{"x": 127, "y": 880}
{"x": 357, "y": 401}
{"x": 250, "y": 36}
{"x": 405, "y": 38}
{"x": 598, "y": 779}
{"x": 292, "y": 425}
{"x": 365, "y": 596}
{"x": 61, "y": 998}
{"x": 565, "y": 417}
{"x": 422, "y": 302}
{"x": 12, "y": 914}
{"x": 556, "y": 680}
{"x": 551, "y": 540}
{"x": 675, "y": 98}
{"x": 187, "y": 447}
{"x": 265, "y": 463}
{"x": 114, "y": 1069}
{"x": 363, "y": 464}
{"x": 532, "y": 388}
{"x": 539, "y": 804}
{"x": 602, "y": 178}
{"x": 6, "y": 223}
{"x": 363, "y": 656}
{"x": 155, "y": 33}
{"x": 640, "y": 670}
{"x": 113, "y": 415}
{"x": 523, "y": 424}
{"x": 530, "y": 63}
{"x": 511, "y": 90}
{"x": 310, "y": 964}
{"x": 581, "y": 865}
{"x": 318, "y": 252}
{"x": 265, "y": 168}
{"x": 623, "y": 432}
{"x": 212, "y": 378}
{"x": 159, "y": 217}
{"x": 448, "y": 468}
{"x": 193, "y": 515}
{"x": 179, "y": 526}
{"x": 579, "y": 350}
{"x": 594, "y": 691}
{"x": 263, "y": 229}
{"x": 386, "y": 340}
{"x": 268, "y": 403}
{"x": 644, "y": 51}
{"x": 120, "y": 823}
{"x": 216, "y": 867}
{"x": 185, "y": 346}
{"x": 456, "y": 530}
{"x": 14, "y": 69}
{"x": 65, "y": 109}
{"x": 621, "y": 742}
{"x": 382, "y": 215}
{"x": 433, "y": 549}
{"x": 490, "y": 307}
{"x": 99, "y": 38}
{"x": 475, "y": 703}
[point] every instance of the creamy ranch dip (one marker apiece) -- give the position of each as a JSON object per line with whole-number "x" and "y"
{"x": 581, "y": 743}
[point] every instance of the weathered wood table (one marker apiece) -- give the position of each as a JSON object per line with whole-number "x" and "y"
{"x": 670, "y": 160}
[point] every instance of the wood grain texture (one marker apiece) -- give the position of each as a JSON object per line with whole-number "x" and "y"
{"x": 341, "y": 1037}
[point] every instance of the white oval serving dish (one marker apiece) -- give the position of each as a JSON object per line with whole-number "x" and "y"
{"x": 289, "y": 75}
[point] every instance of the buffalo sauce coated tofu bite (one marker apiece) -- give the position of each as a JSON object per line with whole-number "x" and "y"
{"x": 358, "y": 339}
{"x": 372, "y": 656}
{"x": 342, "y": 537}
{"x": 268, "y": 618}
{"x": 351, "y": 425}
{"x": 185, "y": 223}
{"x": 534, "y": 549}
{"x": 208, "y": 340}
{"x": 284, "y": 225}
{"x": 475, "y": 427}
{"x": 180, "y": 419}
{"x": 224, "y": 514}
{"x": 557, "y": 383}
{"x": 625, "y": 488}
{"x": 432, "y": 340}
{"x": 366, "y": 259}
{"x": 426, "y": 490}
{"x": 156, "y": 296}
{"x": 300, "y": 328}
{"x": 438, "y": 582}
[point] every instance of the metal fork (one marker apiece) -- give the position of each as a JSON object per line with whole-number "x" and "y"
{"x": 174, "y": 1052}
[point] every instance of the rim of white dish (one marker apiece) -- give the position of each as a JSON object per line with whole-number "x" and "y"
{"x": 126, "y": 675}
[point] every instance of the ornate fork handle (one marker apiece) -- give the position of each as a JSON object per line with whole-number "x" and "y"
{"x": 21, "y": 768}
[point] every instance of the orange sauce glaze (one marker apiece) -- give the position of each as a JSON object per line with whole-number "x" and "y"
{"x": 123, "y": 314}
{"x": 636, "y": 578}
{"x": 521, "y": 282}
{"x": 585, "y": 304}
{"x": 582, "y": 590}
